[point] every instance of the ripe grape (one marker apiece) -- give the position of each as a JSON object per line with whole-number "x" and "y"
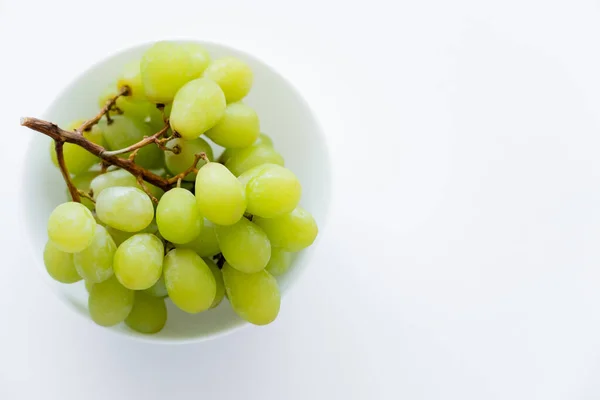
{"x": 159, "y": 289}
{"x": 88, "y": 286}
{"x": 109, "y": 302}
{"x": 220, "y": 196}
{"x": 78, "y": 159}
{"x": 83, "y": 182}
{"x": 244, "y": 245}
{"x": 190, "y": 282}
{"x": 148, "y": 315}
{"x": 279, "y": 263}
{"x": 271, "y": 190}
{"x": 291, "y": 232}
{"x": 130, "y": 76}
{"x": 124, "y": 131}
{"x": 253, "y": 156}
{"x": 71, "y": 227}
{"x": 138, "y": 261}
{"x": 177, "y": 216}
{"x": 94, "y": 263}
{"x": 254, "y": 297}
{"x": 120, "y": 177}
{"x": 206, "y": 244}
{"x": 59, "y": 264}
{"x": 238, "y": 128}
{"x": 167, "y": 66}
{"x": 233, "y": 76}
{"x": 263, "y": 139}
{"x": 220, "y": 293}
{"x": 177, "y": 163}
{"x": 128, "y": 209}
{"x": 120, "y": 236}
{"x": 197, "y": 107}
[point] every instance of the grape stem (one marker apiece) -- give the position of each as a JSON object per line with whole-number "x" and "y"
{"x": 192, "y": 168}
{"x": 58, "y": 146}
{"x": 86, "y": 195}
{"x": 145, "y": 188}
{"x": 145, "y": 141}
{"x": 103, "y": 111}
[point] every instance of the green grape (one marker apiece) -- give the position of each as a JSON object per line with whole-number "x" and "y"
{"x": 94, "y": 263}
{"x": 233, "y": 76}
{"x": 244, "y": 245}
{"x": 253, "y": 156}
{"x": 124, "y": 131}
{"x": 279, "y": 263}
{"x": 59, "y": 264}
{"x": 167, "y": 66}
{"x": 219, "y": 195}
{"x": 206, "y": 244}
{"x": 197, "y": 107}
{"x": 71, "y": 227}
{"x": 177, "y": 216}
{"x": 228, "y": 153}
{"x": 125, "y": 208}
{"x": 82, "y": 182}
{"x": 89, "y": 286}
{"x": 254, "y": 297}
{"x": 149, "y": 314}
{"x": 106, "y": 94}
{"x": 238, "y": 128}
{"x": 220, "y": 293}
{"x": 177, "y": 163}
{"x": 109, "y": 302}
{"x": 77, "y": 159}
{"x": 130, "y": 77}
{"x": 291, "y": 232}
{"x": 142, "y": 111}
{"x": 271, "y": 190}
{"x": 190, "y": 283}
{"x": 120, "y": 236}
{"x": 159, "y": 289}
{"x": 120, "y": 177}
{"x": 138, "y": 261}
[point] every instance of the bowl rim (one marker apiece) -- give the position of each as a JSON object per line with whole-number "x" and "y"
{"x": 240, "y": 323}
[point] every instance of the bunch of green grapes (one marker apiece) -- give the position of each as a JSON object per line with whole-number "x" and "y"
{"x": 227, "y": 228}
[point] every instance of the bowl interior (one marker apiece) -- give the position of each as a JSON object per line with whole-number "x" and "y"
{"x": 284, "y": 115}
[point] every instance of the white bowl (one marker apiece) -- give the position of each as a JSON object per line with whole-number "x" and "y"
{"x": 284, "y": 115}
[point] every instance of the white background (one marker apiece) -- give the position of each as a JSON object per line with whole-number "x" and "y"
{"x": 461, "y": 259}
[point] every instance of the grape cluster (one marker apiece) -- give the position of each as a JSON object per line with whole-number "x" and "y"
{"x": 225, "y": 229}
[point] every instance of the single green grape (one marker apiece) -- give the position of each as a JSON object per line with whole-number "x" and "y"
{"x": 253, "y": 156}
{"x": 271, "y": 190}
{"x": 94, "y": 263}
{"x": 142, "y": 111}
{"x": 219, "y": 195}
{"x": 197, "y": 107}
{"x": 244, "y": 245}
{"x": 127, "y": 209}
{"x": 124, "y": 131}
{"x": 82, "y": 182}
{"x": 177, "y": 163}
{"x": 263, "y": 139}
{"x": 149, "y": 314}
{"x": 71, "y": 227}
{"x": 120, "y": 236}
{"x": 177, "y": 216}
{"x": 167, "y": 66}
{"x": 89, "y": 286}
{"x": 130, "y": 76}
{"x": 138, "y": 261}
{"x": 254, "y": 297}
{"x": 279, "y": 263}
{"x": 238, "y": 128}
{"x": 120, "y": 177}
{"x": 233, "y": 76}
{"x": 59, "y": 264}
{"x": 190, "y": 283}
{"x": 159, "y": 289}
{"x": 78, "y": 159}
{"x": 220, "y": 293}
{"x": 109, "y": 302}
{"x": 206, "y": 244}
{"x": 291, "y": 232}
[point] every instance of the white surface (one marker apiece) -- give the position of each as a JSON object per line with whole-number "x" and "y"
{"x": 461, "y": 259}
{"x": 291, "y": 124}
